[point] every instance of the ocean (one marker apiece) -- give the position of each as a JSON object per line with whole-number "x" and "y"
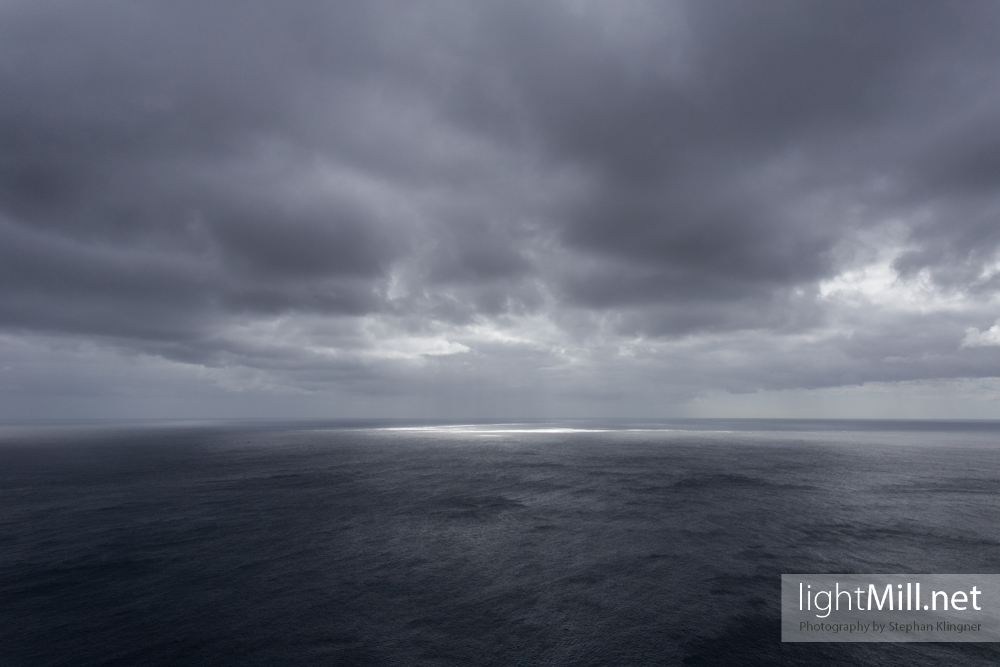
{"x": 384, "y": 543}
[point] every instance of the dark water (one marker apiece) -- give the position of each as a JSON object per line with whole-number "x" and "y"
{"x": 305, "y": 545}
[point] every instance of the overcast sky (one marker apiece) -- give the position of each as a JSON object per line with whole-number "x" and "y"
{"x": 458, "y": 209}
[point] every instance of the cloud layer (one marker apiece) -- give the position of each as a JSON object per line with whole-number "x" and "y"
{"x": 454, "y": 208}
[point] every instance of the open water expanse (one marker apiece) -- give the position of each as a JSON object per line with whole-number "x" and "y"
{"x": 518, "y": 544}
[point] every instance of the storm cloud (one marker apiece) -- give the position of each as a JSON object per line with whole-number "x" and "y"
{"x": 445, "y": 208}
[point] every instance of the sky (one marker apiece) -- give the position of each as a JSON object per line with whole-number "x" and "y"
{"x": 214, "y": 208}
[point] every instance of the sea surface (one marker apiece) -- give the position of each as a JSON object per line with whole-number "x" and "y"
{"x": 571, "y": 543}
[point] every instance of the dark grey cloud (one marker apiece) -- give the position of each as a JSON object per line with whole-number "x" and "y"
{"x": 571, "y": 198}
